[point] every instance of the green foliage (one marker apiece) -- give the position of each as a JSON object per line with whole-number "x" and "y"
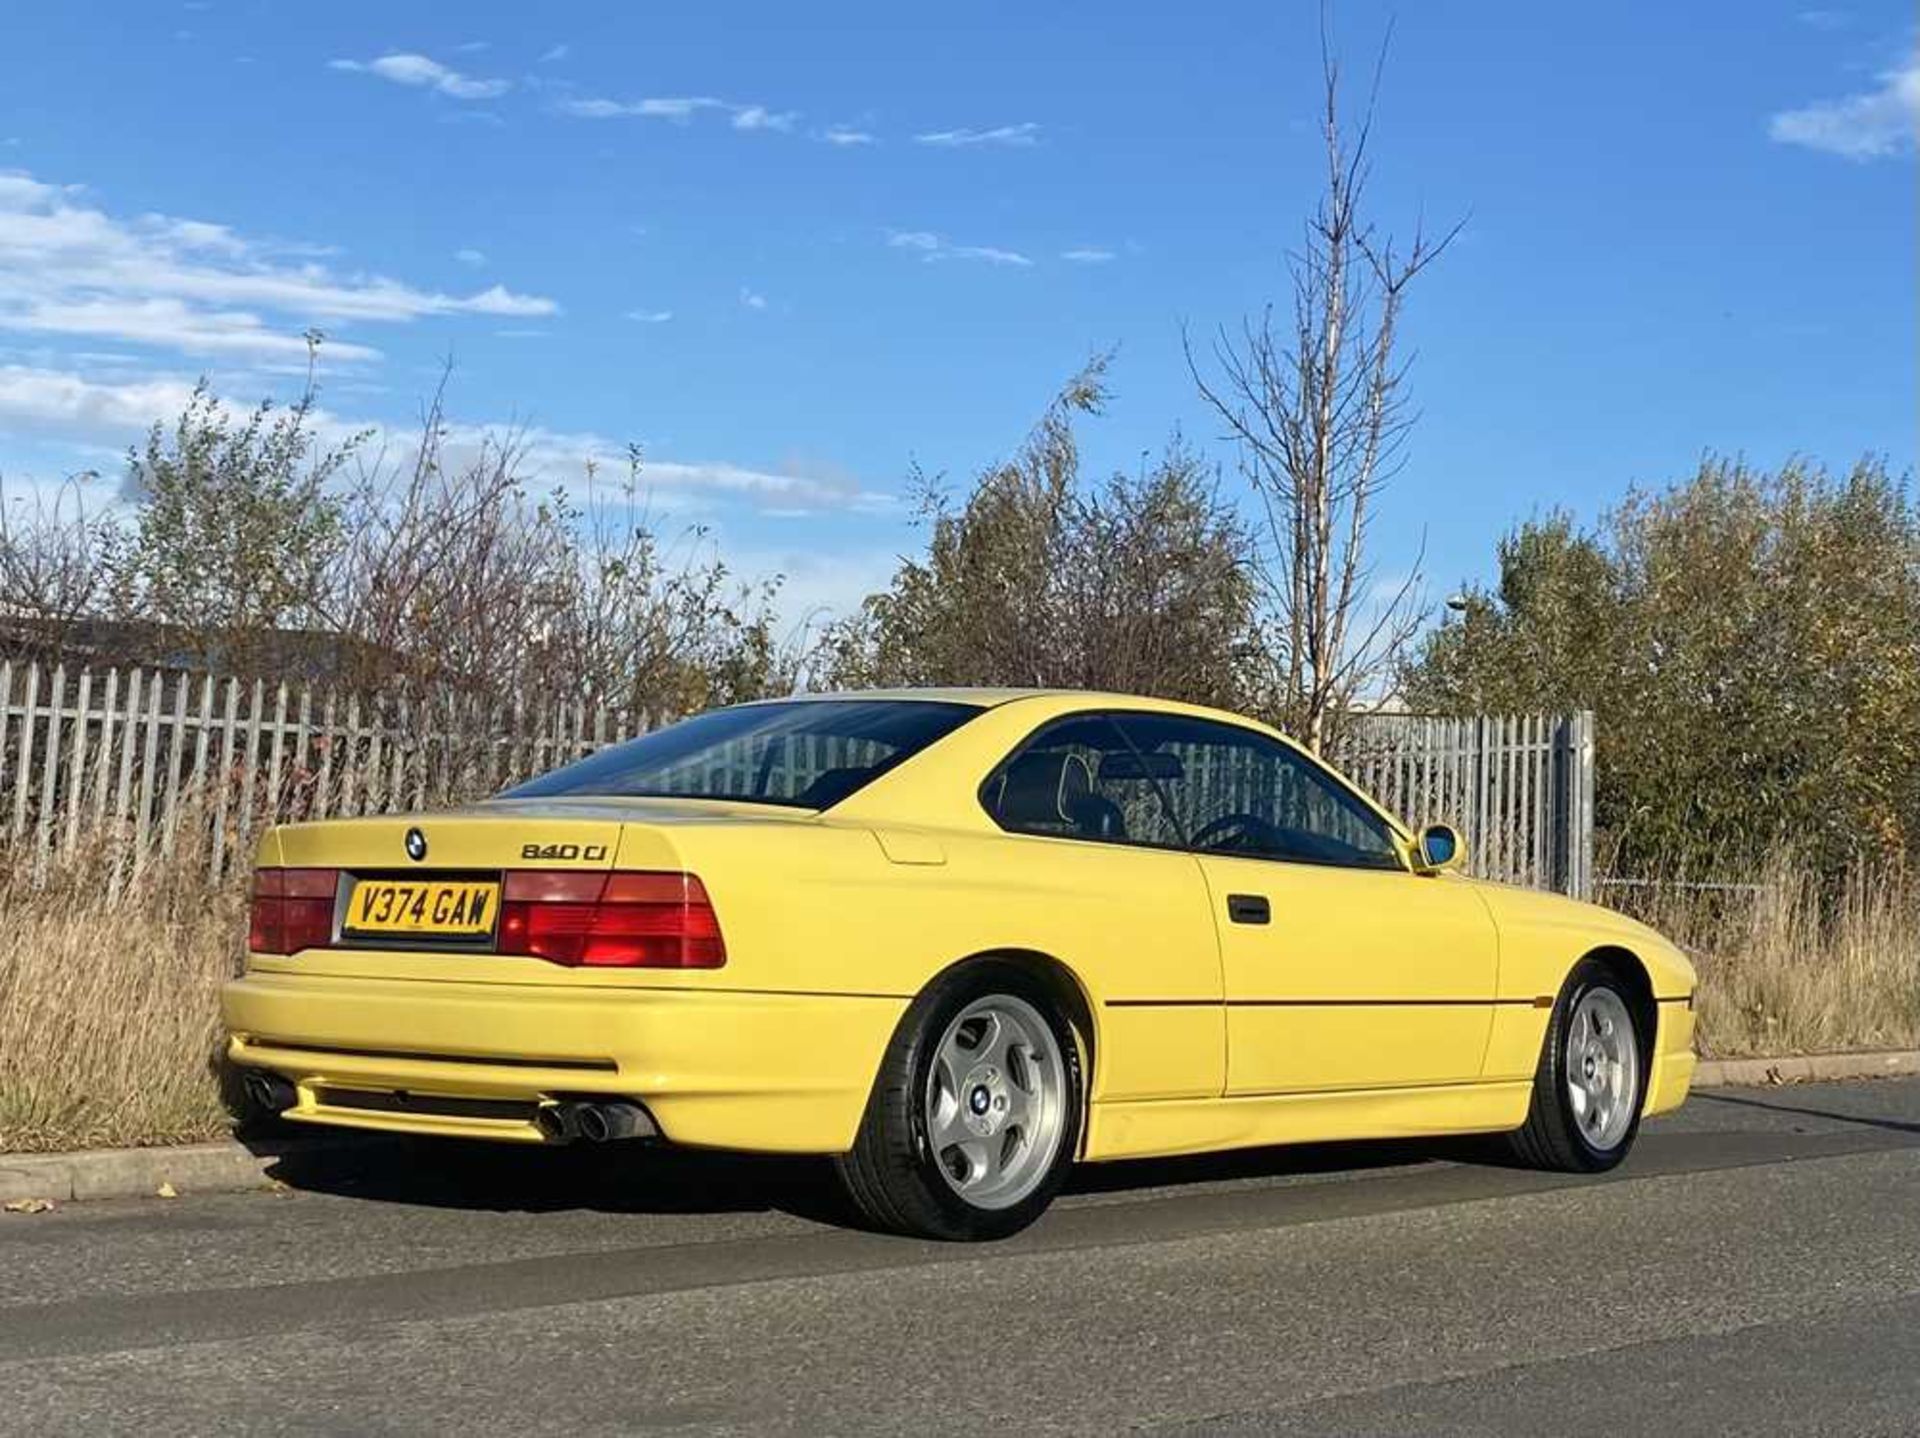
{"x": 1138, "y": 584}
{"x": 657, "y": 631}
{"x": 1751, "y": 643}
{"x": 236, "y": 527}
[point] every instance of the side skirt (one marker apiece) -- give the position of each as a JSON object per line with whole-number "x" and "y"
{"x": 1158, "y": 1128}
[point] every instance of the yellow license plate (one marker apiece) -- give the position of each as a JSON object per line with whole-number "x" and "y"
{"x": 455, "y": 907}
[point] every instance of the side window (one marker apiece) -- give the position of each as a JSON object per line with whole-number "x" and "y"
{"x": 1237, "y": 792}
{"x": 1079, "y": 779}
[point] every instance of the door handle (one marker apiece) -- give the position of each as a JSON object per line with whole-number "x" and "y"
{"x": 1249, "y": 909}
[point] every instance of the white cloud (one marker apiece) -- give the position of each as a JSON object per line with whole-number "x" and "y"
{"x": 932, "y": 247}
{"x": 680, "y": 109}
{"x": 169, "y": 324}
{"x": 987, "y": 253}
{"x": 105, "y": 415}
{"x": 473, "y": 47}
{"x": 1026, "y": 133}
{"x": 593, "y": 109}
{"x": 1871, "y": 126}
{"x": 1088, "y": 256}
{"x": 650, "y": 317}
{"x": 471, "y": 257}
{"x": 70, "y": 268}
{"x": 556, "y": 53}
{"x": 63, "y": 403}
{"x": 493, "y": 300}
{"x": 751, "y": 299}
{"x": 422, "y": 72}
{"x": 845, "y": 135}
{"x": 195, "y": 234}
{"x": 677, "y": 108}
{"x": 758, "y": 117}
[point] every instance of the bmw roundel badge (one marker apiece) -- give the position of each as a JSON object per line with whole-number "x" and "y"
{"x": 416, "y": 845}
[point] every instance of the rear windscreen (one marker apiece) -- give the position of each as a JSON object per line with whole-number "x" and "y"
{"x": 808, "y": 754}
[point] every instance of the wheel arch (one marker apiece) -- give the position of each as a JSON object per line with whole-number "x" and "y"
{"x": 1631, "y": 971}
{"x": 1060, "y": 980}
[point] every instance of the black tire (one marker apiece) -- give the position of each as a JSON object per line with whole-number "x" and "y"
{"x": 1552, "y": 1137}
{"x": 892, "y": 1175}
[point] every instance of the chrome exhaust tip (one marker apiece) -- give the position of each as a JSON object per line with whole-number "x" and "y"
{"x": 615, "y": 1122}
{"x": 593, "y": 1121}
{"x": 269, "y": 1092}
{"x": 558, "y": 1122}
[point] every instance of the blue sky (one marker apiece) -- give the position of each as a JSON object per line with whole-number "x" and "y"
{"x": 789, "y": 250}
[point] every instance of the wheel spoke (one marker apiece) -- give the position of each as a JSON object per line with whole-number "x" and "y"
{"x": 946, "y": 1128}
{"x": 989, "y": 1039}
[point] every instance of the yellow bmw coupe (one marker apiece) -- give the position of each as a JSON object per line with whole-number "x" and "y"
{"x": 956, "y": 939}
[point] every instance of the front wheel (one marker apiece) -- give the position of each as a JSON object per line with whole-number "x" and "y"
{"x": 975, "y": 1115}
{"x": 1591, "y": 1082}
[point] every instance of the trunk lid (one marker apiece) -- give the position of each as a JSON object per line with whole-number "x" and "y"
{"x": 472, "y": 840}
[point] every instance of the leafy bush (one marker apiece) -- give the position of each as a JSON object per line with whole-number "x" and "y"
{"x": 1751, "y": 644}
{"x": 1040, "y": 579}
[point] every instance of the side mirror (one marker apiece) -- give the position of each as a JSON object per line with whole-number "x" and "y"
{"x": 1441, "y": 849}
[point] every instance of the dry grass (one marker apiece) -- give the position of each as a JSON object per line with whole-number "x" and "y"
{"x": 109, "y": 1023}
{"x": 1783, "y": 970}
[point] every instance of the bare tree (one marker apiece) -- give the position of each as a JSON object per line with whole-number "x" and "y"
{"x": 457, "y": 574}
{"x": 1318, "y": 409}
{"x": 56, "y": 559}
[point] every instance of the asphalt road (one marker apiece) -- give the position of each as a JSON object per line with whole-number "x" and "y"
{"x": 1754, "y": 1268}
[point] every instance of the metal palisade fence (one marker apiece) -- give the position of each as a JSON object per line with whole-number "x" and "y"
{"x": 163, "y": 762}
{"x": 1518, "y": 787}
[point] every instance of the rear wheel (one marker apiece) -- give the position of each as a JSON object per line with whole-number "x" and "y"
{"x": 975, "y": 1115}
{"x": 1591, "y": 1082}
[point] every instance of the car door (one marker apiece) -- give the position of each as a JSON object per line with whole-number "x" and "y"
{"x": 1115, "y": 894}
{"x": 1342, "y": 968}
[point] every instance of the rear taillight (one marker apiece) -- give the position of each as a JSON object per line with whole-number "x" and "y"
{"x": 633, "y": 920}
{"x": 292, "y": 910}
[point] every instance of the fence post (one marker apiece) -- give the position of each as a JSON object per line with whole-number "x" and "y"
{"x": 149, "y": 769}
{"x": 123, "y": 785}
{"x": 6, "y": 709}
{"x": 43, "y": 816}
{"x": 1573, "y": 804}
{"x": 1583, "y": 807}
{"x": 77, "y": 760}
{"x": 23, "y": 767}
{"x": 176, "y": 748}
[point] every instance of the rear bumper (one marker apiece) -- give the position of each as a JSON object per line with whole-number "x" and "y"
{"x": 778, "y": 1073}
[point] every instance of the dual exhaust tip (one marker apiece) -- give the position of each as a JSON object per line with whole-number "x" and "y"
{"x": 594, "y": 1121}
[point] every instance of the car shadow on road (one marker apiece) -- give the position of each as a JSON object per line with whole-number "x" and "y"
{"x": 1893, "y": 1124}
{"x": 460, "y": 1174}
{"x": 1290, "y": 1161}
